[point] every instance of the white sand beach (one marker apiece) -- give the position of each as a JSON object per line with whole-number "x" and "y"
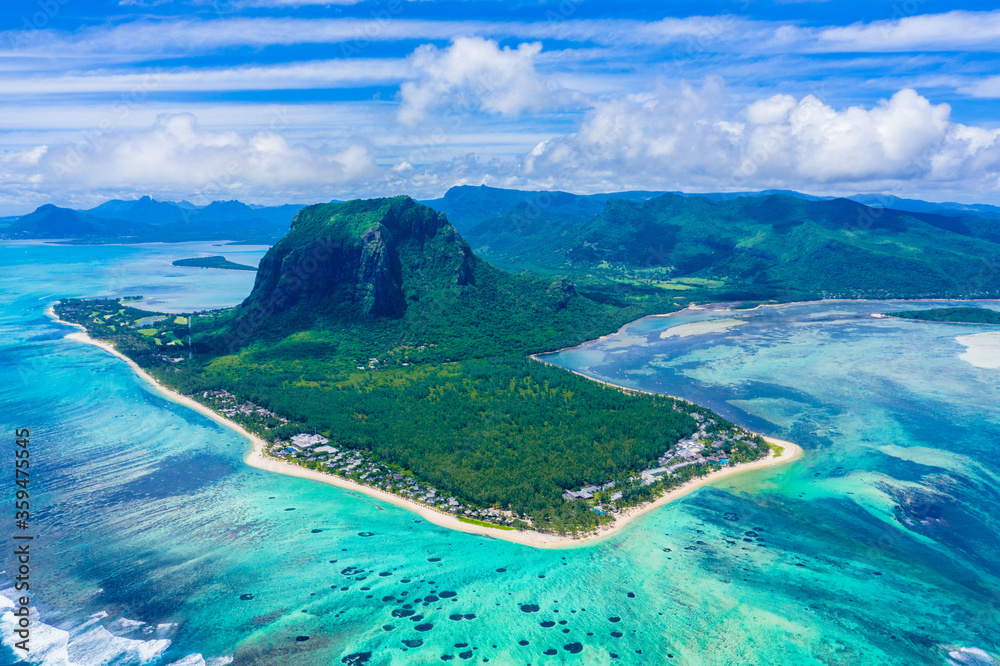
{"x": 701, "y": 328}
{"x": 981, "y": 349}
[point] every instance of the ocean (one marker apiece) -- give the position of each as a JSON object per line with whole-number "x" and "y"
{"x": 154, "y": 543}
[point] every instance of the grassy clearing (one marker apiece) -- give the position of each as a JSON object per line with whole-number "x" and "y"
{"x": 483, "y": 523}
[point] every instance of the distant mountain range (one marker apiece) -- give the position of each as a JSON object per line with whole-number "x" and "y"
{"x": 146, "y": 220}
{"x": 948, "y": 208}
{"x": 740, "y": 246}
{"x": 467, "y": 205}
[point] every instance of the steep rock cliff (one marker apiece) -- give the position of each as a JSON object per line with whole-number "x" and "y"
{"x": 361, "y": 258}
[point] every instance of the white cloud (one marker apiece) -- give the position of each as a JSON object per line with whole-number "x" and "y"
{"x": 475, "y": 74}
{"x": 988, "y": 88}
{"x": 308, "y": 75}
{"x": 179, "y": 36}
{"x": 177, "y": 156}
{"x": 810, "y": 140}
{"x": 28, "y": 157}
{"x": 681, "y": 139}
{"x": 954, "y": 30}
{"x": 690, "y": 36}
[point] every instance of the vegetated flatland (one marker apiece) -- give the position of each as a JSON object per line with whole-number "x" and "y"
{"x": 412, "y": 351}
{"x": 212, "y": 262}
{"x": 482, "y": 523}
{"x": 952, "y": 315}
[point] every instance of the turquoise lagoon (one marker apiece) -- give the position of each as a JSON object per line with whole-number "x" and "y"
{"x": 156, "y": 545}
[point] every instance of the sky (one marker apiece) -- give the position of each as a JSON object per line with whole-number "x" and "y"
{"x": 275, "y": 101}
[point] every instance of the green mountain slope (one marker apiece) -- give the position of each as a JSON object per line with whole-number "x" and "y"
{"x": 400, "y": 273}
{"x": 773, "y": 244}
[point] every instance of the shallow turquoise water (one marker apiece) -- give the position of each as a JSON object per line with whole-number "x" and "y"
{"x": 880, "y": 546}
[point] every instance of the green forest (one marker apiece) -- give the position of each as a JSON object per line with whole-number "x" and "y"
{"x": 952, "y": 315}
{"x": 212, "y": 262}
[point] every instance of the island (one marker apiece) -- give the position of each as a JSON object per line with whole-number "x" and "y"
{"x": 212, "y": 262}
{"x": 378, "y": 352}
{"x": 951, "y": 315}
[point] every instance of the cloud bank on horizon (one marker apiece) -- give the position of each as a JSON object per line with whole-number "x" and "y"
{"x": 271, "y": 101}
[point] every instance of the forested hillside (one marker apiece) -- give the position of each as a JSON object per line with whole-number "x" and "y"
{"x": 771, "y": 246}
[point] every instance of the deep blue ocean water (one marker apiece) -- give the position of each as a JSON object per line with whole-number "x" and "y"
{"x": 156, "y": 545}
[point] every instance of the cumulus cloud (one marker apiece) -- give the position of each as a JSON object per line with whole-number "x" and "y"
{"x": 175, "y": 155}
{"x": 680, "y": 138}
{"x": 475, "y": 74}
{"x": 810, "y": 140}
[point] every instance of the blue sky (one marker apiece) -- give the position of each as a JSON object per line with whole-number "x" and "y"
{"x": 293, "y": 100}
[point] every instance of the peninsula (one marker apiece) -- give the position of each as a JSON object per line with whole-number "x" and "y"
{"x": 212, "y": 262}
{"x": 951, "y": 315}
{"x": 377, "y": 351}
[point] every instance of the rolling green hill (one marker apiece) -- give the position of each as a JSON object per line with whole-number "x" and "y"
{"x": 776, "y": 245}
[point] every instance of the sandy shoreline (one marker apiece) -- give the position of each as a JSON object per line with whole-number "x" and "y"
{"x": 256, "y": 458}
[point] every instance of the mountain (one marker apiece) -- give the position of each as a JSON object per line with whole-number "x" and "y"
{"x": 398, "y": 270}
{"x": 228, "y": 217}
{"x": 467, "y": 206}
{"x": 50, "y": 221}
{"x": 874, "y": 200}
{"x": 948, "y": 208}
{"x": 726, "y": 196}
{"x": 145, "y": 210}
{"x": 769, "y": 245}
{"x": 149, "y": 220}
{"x": 372, "y": 252}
